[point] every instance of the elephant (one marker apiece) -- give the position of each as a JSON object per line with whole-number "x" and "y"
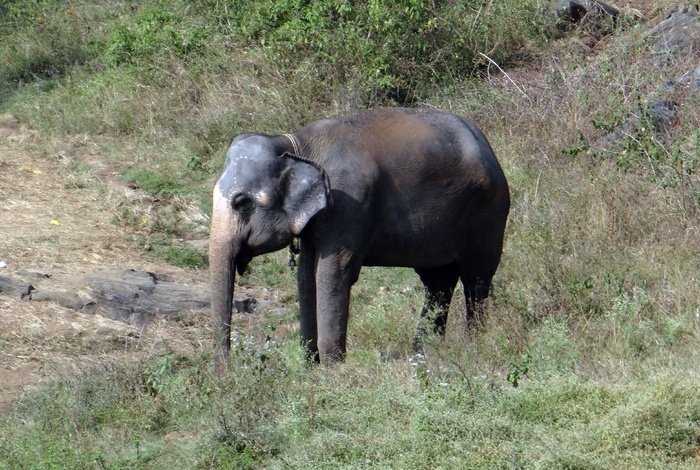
{"x": 406, "y": 187}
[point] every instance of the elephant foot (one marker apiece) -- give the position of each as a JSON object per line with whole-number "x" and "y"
{"x": 331, "y": 359}
{"x": 221, "y": 363}
{"x": 312, "y": 357}
{"x": 419, "y": 342}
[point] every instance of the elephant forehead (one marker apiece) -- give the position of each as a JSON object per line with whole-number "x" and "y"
{"x": 238, "y": 168}
{"x": 242, "y": 165}
{"x": 228, "y": 180}
{"x": 225, "y": 188}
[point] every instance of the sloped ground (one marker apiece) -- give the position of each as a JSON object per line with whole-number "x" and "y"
{"x": 50, "y": 226}
{"x": 55, "y": 223}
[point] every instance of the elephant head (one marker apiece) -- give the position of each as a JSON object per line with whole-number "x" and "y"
{"x": 264, "y": 198}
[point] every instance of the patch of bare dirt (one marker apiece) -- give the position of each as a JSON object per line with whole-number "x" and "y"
{"x": 51, "y": 232}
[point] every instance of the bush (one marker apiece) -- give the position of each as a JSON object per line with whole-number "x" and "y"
{"x": 158, "y": 33}
{"x": 402, "y": 47}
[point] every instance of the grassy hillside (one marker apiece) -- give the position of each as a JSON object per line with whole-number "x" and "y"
{"x": 588, "y": 357}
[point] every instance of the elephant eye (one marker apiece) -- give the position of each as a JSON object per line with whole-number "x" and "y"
{"x": 243, "y": 203}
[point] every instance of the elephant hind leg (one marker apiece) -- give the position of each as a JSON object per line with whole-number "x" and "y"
{"x": 439, "y": 285}
{"x": 476, "y": 281}
{"x": 476, "y": 290}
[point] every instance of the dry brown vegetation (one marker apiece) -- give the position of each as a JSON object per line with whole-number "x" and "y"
{"x": 594, "y": 315}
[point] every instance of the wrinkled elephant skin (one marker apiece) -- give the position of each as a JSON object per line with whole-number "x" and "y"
{"x": 385, "y": 187}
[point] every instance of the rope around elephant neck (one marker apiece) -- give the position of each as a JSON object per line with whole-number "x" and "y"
{"x": 294, "y": 250}
{"x": 294, "y": 245}
{"x": 294, "y": 143}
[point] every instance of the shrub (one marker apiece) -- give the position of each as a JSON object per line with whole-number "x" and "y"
{"x": 158, "y": 32}
{"x": 401, "y": 47}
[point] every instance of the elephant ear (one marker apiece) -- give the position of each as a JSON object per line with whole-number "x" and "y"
{"x": 305, "y": 190}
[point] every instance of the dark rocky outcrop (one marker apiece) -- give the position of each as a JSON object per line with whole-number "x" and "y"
{"x": 65, "y": 299}
{"x": 674, "y": 44}
{"x": 127, "y": 295}
{"x": 577, "y": 11}
{"x": 677, "y": 35}
{"x": 661, "y": 114}
{"x": 15, "y": 287}
{"x": 121, "y": 294}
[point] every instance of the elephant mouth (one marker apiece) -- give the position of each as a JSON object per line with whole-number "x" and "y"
{"x": 242, "y": 260}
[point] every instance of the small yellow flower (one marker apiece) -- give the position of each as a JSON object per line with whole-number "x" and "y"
{"x": 40, "y": 19}
{"x": 69, "y": 11}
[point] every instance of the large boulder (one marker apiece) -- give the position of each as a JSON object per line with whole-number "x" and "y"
{"x": 15, "y": 287}
{"x": 126, "y": 295}
{"x": 677, "y": 35}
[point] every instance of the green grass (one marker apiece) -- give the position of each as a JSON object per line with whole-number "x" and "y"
{"x": 594, "y": 312}
{"x": 154, "y": 182}
{"x": 183, "y": 256}
{"x": 275, "y": 412}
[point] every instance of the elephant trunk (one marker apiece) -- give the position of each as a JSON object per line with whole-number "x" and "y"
{"x": 224, "y": 245}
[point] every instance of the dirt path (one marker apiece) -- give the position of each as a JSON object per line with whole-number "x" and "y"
{"x": 55, "y": 223}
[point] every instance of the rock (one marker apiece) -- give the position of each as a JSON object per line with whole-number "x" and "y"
{"x": 695, "y": 85}
{"x": 575, "y": 11}
{"x": 684, "y": 79}
{"x": 662, "y": 114}
{"x": 132, "y": 297}
{"x": 121, "y": 294}
{"x": 118, "y": 335}
{"x": 244, "y": 305}
{"x": 658, "y": 114}
{"x": 12, "y": 286}
{"x": 141, "y": 320}
{"x": 677, "y": 35}
{"x": 669, "y": 86}
{"x": 65, "y": 299}
{"x": 690, "y": 79}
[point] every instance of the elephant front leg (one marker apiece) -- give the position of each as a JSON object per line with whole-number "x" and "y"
{"x": 306, "y": 286}
{"x": 333, "y": 283}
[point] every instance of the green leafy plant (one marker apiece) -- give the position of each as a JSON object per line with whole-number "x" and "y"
{"x": 183, "y": 255}
{"x": 159, "y": 374}
{"x": 345, "y": 39}
{"x": 518, "y": 370}
{"x": 156, "y": 183}
{"x": 157, "y": 31}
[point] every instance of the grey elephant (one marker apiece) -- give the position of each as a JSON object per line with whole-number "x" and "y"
{"x": 385, "y": 187}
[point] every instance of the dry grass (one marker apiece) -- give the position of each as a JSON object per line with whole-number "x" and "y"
{"x": 52, "y": 227}
{"x": 595, "y": 302}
